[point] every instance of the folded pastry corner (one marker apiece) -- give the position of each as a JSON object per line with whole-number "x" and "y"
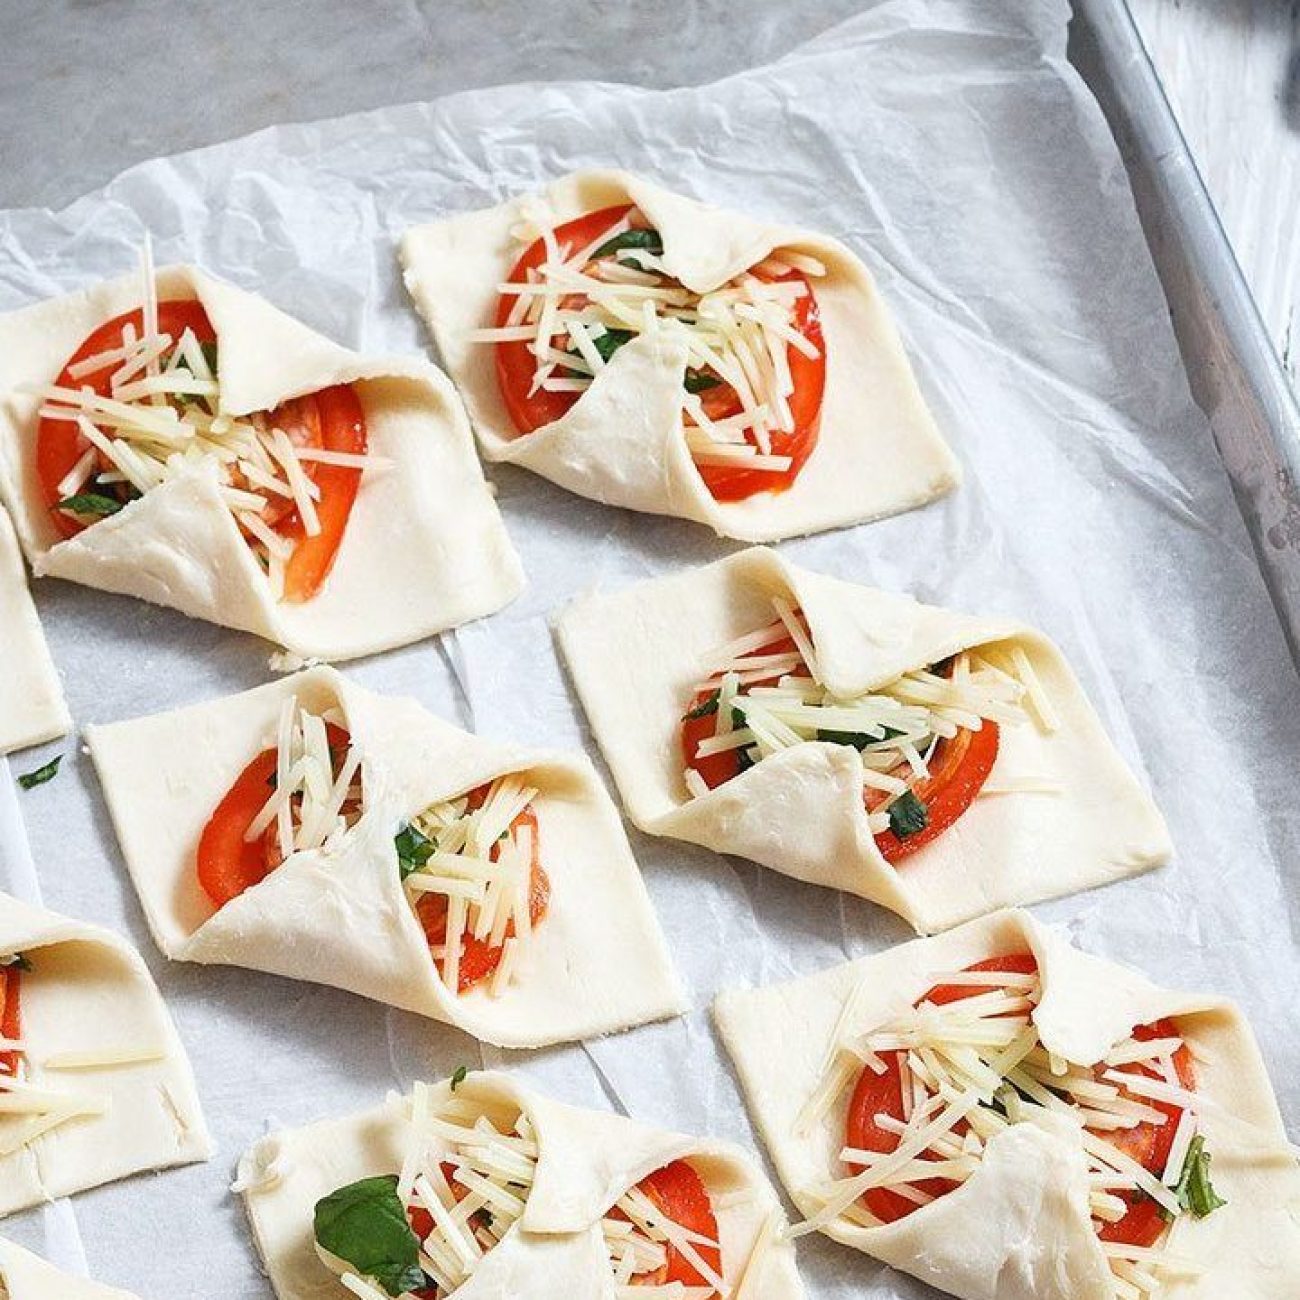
{"x": 478, "y": 1186}
{"x": 172, "y": 437}
{"x": 94, "y": 1083}
{"x": 32, "y": 707}
{"x": 650, "y": 351}
{"x": 1008, "y": 1118}
{"x": 937, "y": 763}
{"x": 24, "y": 1276}
{"x": 316, "y": 830}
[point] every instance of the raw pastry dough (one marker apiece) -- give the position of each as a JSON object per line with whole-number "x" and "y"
{"x": 341, "y": 917}
{"x": 32, "y": 708}
{"x": 635, "y": 659}
{"x": 1018, "y": 1228}
{"x": 879, "y": 451}
{"x": 89, "y": 993}
{"x": 424, "y": 548}
{"x": 23, "y": 1276}
{"x": 586, "y": 1161}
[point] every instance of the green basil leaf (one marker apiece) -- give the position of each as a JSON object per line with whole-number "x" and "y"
{"x": 42, "y": 774}
{"x": 610, "y": 341}
{"x": 648, "y": 241}
{"x": 1194, "y": 1190}
{"x": 90, "y": 504}
{"x": 704, "y": 707}
{"x": 857, "y": 739}
{"x": 459, "y": 1077}
{"x": 908, "y": 815}
{"x": 700, "y": 381}
{"x": 414, "y": 849}
{"x": 365, "y": 1225}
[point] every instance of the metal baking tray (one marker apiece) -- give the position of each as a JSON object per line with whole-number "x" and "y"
{"x": 1235, "y": 373}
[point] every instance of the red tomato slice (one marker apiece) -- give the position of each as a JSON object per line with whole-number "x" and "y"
{"x": 1148, "y": 1144}
{"x": 332, "y": 419}
{"x": 530, "y": 410}
{"x": 680, "y": 1193}
{"x": 11, "y": 1015}
{"x": 881, "y": 1094}
{"x": 59, "y": 443}
{"x": 228, "y": 864}
{"x": 478, "y": 957}
{"x": 958, "y": 768}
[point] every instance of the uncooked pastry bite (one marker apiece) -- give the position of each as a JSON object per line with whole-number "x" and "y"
{"x": 478, "y": 1187}
{"x": 94, "y": 1083}
{"x": 937, "y": 763}
{"x": 175, "y": 438}
{"x": 24, "y": 1276}
{"x": 649, "y": 351}
{"x": 32, "y": 707}
{"x": 316, "y": 830}
{"x": 1008, "y": 1118}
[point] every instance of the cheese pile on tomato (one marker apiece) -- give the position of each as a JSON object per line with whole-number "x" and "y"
{"x": 756, "y": 362}
{"x": 927, "y": 740}
{"x": 933, "y": 1086}
{"x": 139, "y": 403}
{"x": 473, "y": 872}
{"x": 302, "y": 794}
{"x": 463, "y": 1185}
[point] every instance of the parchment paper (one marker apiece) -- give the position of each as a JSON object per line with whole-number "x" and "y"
{"x": 951, "y": 144}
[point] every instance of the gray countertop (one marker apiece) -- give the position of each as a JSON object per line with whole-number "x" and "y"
{"x": 88, "y": 88}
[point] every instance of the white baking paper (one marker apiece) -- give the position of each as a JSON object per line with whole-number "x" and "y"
{"x": 952, "y": 146}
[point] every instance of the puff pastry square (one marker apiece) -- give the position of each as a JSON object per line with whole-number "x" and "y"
{"x": 424, "y": 548}
{"x": 1059, "y": 812}
{"x": 32, "y": 708}
{"x": 339, "y": 913}
{"x": 24, "y": 1276}
{"x": 103, "y": 1086}
{"x": 579, "y": 1164}
{"x": 1020, "y": 1224}
{"x": 622, "y": 443}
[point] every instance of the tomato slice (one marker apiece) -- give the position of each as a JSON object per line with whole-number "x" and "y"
{"x": 1149, "y": 1144}
{"x": 479, "y": 958}
{"x": 331, "y": 419}
{"x": 11, "y": 1015}
{"x": 959, "y": 767}
{"x": 529, "y": 410}
{"x": 679, "y": 1192}
{"x": 229, "y": 864}
{"x": 881, "y": 1094}
{"x": 59, "y": 443}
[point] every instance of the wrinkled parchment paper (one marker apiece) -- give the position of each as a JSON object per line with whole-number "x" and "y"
{"x": 951, "y": 144}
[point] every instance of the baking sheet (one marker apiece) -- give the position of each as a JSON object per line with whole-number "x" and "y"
{"x": 951, "y": 144}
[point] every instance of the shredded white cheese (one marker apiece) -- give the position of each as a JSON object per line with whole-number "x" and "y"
{"x": 738, "y": 335}
{"x": 163, "y": 417}
{"x": 972, "y": 1066}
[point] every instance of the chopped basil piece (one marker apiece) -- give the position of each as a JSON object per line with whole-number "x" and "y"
{"x": 1193, "y": 1189}
{"x": 648, "y": 241}
{"x": 364, "y": 1224}
{"x": 744, "y": 760}
{"x": 414, "y": 849}
{"x": 699, "y": 381}
{"x": 610, "y": 341}
{"x": 42, "y": 774}
{"x": 209, "y": 351}
{"x": 90, "y": 504}
{"x": 907, "y": 815}
{"x": 857, "y": 739}
{"x": 704, "y": 707}
{"x": 459, "y": 1077}
{"x": 16, "y": 962}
